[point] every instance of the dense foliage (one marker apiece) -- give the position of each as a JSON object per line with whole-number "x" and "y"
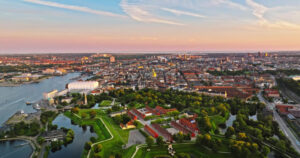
{"x": 290, "y": 84}
{"x": 48, "y": 116}
{"x": 25, "y": 129}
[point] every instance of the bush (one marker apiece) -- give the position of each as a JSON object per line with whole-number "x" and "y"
{"x": 93, "y": 139}
{"x": 40, "y": 140}
{"x": 98, "y": 148}
{"x": 87, "y": 145}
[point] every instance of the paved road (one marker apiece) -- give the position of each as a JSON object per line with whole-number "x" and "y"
{"x": 135, "y": 137}
{"x": 282, "y": 125}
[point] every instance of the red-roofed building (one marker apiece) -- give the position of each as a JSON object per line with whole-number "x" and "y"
{"x": 289, "y": 109}
{"x": 182, "y": 129}
{"x": 163, "y": 131}
{"x": 272, "y": 93}
{"x": 150, "y": 131}
{"x": 139, "y": 114}
{"x": 158, "y": 110}
{"x": 191, "y": 124}
{"x": 130, "y": 114}
{"x": 284, "y": 109}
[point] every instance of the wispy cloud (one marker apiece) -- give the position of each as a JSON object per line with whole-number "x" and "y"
{"x": 230, "y": 3}
{"x": 73, "y": 7}
{"x": 138, "y": 13}
{"x": 259, "y": 10}
{"x": 180, "y": 12}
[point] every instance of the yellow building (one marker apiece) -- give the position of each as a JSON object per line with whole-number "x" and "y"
{"x": 128, "y": 125}
{"x": 154, "y": 73}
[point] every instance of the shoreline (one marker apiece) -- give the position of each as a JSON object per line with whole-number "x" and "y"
{"x": 24, "y": 139}
{"x": 11, "y": 84}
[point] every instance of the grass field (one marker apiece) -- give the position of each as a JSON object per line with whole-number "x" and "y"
{"x": 105, "y": 103}
{"x": 191, "y": 149}
{"x": 120, "y": 137}
{"x": 115, "y": 145}
{"x": 218, "y": 119}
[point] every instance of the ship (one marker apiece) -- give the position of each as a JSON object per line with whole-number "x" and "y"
{"x": 28, "y": 103}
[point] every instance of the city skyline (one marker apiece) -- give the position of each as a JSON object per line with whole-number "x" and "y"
{"x": 52, "y": 26}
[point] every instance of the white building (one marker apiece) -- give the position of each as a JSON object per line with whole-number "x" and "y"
{"x": 83, "y": 85}
{"x": 50, "y": 95}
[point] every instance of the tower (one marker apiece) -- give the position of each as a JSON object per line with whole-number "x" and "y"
{"x": 154, "y": 73}
{"x": 85, "y": 99}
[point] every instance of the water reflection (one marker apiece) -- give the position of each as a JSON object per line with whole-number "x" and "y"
{"x": 15, "y": 149}
{"x": 82, "y": 135}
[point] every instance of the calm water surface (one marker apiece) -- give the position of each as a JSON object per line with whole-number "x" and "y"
{"x": 75, "y": 149}
{"x": 15, "y": 149}
{"x": 13, "y": 99}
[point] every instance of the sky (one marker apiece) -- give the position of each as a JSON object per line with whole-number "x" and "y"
{"x": 67, "y": 26}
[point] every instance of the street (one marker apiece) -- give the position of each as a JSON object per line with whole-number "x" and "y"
{"x": 282, "y": 125}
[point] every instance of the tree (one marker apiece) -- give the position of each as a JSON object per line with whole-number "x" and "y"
{"x": 75, "y": 110}
{"x": 98, "y": 148}
{"x": 125, "y": 118}
{"x": 179, "y": 137}
{"x": 93, "y": 139}
{"x": 117, "y": 119}
{"x": 207, "y": 137}
{"x": 242, "y": 136}
{"x": 265, "y": 150}
{"x": 41, "y": 140}
{"x": 87, "y": 145}
{"x": 136, "y": 123}
{"x": 150, "y": 141}
{"x": 160, "y": 141}
{"x": 93, "y": 114}
{"x": 229, "y": 132}
{"x": 84, "y": 115}
{"x": 115, "y": 108}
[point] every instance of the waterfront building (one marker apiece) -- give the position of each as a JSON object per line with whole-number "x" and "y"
{"x": 50, "y": 95}
{"x": 83, "y": 85}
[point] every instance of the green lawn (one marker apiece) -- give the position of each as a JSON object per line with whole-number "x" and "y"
{"x": 120, "y": 139}
{"x": 111, "y": 146}
{"x": 191, "y": 149}
{"x": 139, "y": 105}
{"x": 105, "y": 103}
{"x": 218, "y": 119}
{"x": 87, "y": 111}
{"x": 98, "y": 126}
